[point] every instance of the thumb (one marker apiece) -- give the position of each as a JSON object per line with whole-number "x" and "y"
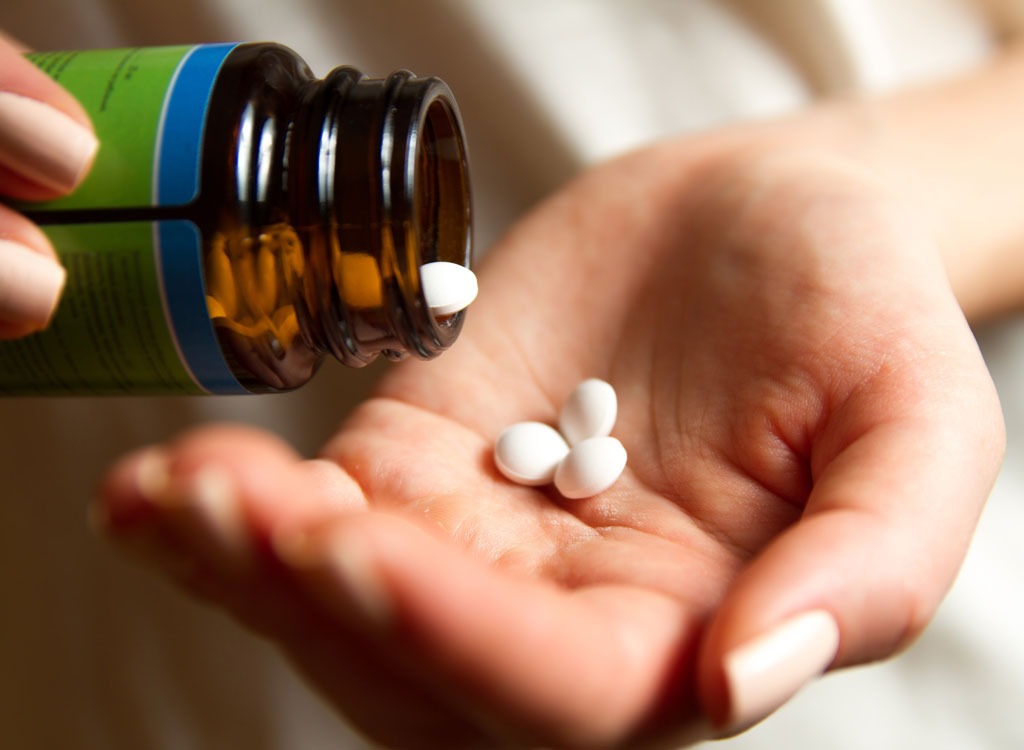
{"x": 885, "y": 530}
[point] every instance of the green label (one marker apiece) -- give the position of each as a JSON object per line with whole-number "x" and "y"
{"x": 110, "y": 335}
{"x": 123, "y": 91}
{"x": 133, "y": 317}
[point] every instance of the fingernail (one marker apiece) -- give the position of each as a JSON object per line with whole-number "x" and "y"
{"x": 202, "y": 509}
{"x": 152, "y": 475}
{"x": 43, "y": 144}
{"x": 30, "y": 285}
{"x": 293, "y": 547}
{"x": 217, "y": 516}
{"x": 762, "y": 674}
{"x": 150, "y": 478}
{"x": 341, "y": 573}
{"x": 350, "y": 562}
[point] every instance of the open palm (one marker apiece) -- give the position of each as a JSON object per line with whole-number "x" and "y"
{"x": 809, "y": 426}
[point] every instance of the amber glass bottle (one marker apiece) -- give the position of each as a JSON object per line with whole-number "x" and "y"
{"x": 243, "y": 220}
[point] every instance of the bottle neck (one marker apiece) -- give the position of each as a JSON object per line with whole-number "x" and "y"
{"x": 378, "y": 178}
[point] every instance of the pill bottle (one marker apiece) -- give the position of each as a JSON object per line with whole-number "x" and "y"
{"x": 243, "y": 219}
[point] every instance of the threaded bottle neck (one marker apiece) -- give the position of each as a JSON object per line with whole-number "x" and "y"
{"x": 383, "y": 190}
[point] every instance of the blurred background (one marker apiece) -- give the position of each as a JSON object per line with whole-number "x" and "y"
{"x": 97, "y": 653}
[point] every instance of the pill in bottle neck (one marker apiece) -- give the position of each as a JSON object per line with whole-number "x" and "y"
{"x": 243, "y": 220}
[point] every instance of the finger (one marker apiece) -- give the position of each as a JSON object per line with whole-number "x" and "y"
{"x": 885, "y": 530}
{"x": 205, "y": 508}
{"x": 31, "y": 279}
{"x": 10, "y": 41}
{"x": 276, "y": 488}
{"x": 46, "y": 141}
{"x": 530, "y": 662}
{"x": 209, "y": 509}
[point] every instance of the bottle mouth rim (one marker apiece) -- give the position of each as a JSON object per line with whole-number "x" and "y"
{"x": 400, "y": 179}
{"x": 426, "y": 199}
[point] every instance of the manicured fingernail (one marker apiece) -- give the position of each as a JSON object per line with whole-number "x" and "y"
{"x": 30, "y": 285}
{"x": 340, "y": 572}
{"x": 43, "y": 144}
{"x": 768, "y": 670}
{"x": 359, "y": 581}
{"x": 152, "y": 475}
{"x": 202, "y": 510}
{"x": 212, "y": 502}
{"x": 150, "y": 478}
{"x": 293, "y": 547}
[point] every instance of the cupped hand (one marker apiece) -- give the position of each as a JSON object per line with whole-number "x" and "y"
{"x": 46, "y": 148}
{"x": 811, "y": 434}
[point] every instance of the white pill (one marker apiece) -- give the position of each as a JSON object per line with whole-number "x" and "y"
{"x": 589, "y": 411}
{"x": 529, "y": 452}
{"x": 447, "y": 287}
{"x": 590, "y": 468}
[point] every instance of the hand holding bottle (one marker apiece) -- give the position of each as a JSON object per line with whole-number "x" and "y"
{"x": 46, "y": 148}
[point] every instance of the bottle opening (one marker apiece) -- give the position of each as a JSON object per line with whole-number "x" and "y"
{"x": 442, "y": 194}
{"x": 431, "y": 213}
{"x": 394, "y": 195}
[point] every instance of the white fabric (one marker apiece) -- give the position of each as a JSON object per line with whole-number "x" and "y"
{"x": 95, "y": 653}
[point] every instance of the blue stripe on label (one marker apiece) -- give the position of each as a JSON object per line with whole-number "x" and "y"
{"x": 179, "y": 140}
{"x": 181, "y": 270}
{"x": 178, "y": 243}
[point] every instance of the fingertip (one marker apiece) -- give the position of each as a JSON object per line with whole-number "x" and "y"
{"x": 835, "y": 590}
{"x": 43, "y": 144}
{"x": 276, "y": 487}
{"x": 760, "y": 674}
{"x": 358, "y": 589}
{"x": 31, "y": 285}
{"x": 349, "y": 558}
{"x": 6, "y": 40}
{"x": 129, "y": 484}
{"x": 47, "y": 140}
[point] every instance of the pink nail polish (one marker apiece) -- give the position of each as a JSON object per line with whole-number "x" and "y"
{"x": 43, "y": 144}
{"x": 30, "y": 285}
{"x": 765, "y": 672}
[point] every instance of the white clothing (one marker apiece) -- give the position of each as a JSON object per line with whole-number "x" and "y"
{"x": 96, "y": 653}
